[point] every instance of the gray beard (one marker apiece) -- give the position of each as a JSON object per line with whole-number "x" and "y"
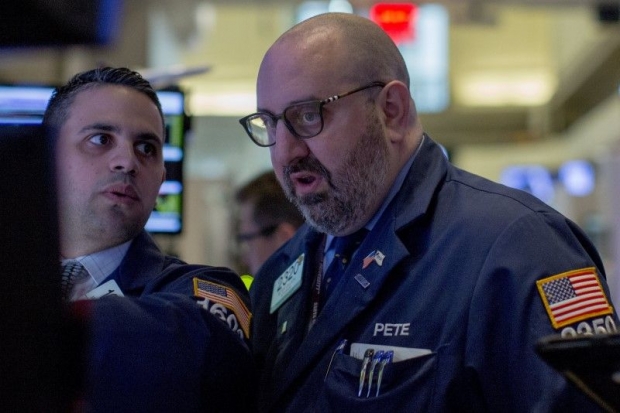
{"x": 352, "y": 188}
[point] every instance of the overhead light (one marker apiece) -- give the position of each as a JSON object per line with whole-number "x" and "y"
{"x": 222, "y": 103}
{"x": 167, "y": 76}
{"x": 527, "y": 88}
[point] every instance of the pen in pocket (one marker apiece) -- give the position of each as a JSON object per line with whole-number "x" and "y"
{"x": 387, "y": 358}
{"x": 375, "y": 360}
{"x": 365, "y": 362}
{"x": 339, "y": 349}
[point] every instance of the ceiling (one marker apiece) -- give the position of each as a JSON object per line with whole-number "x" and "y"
{"x": 562, "y": 44}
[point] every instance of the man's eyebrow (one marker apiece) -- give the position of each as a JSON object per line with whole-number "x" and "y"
{"x": 149, "y": 136}
{"x": 100, "y": 127}
{"x": 105, "y": 127}
{"x": 308, "y": 99}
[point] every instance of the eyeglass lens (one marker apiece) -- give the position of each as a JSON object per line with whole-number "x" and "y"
{"x": 304, "y": 120}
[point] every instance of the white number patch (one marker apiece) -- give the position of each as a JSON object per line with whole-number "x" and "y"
{"x": 223, "y": 314}
{"x": 587, "y": 328}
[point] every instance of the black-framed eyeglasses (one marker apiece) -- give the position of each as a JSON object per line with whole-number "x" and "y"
{"x": 304, "y": 119}
{"x": 264, "y": 232}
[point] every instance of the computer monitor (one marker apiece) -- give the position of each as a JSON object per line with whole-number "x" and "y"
{"x": 34, "y": 363}
{"x": 167, "y": 218}
{"x": 26, "y": 104}
{"x": 591, "y": 362}
{"x": 36, "y": 23}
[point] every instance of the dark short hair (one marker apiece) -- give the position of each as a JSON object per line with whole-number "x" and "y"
{"x": 57, "y": 110}
{"x": 271, "y": 206}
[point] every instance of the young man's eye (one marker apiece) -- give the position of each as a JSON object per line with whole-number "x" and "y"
{"x": 99, "y": 139}
{"x": 147, "y": 148}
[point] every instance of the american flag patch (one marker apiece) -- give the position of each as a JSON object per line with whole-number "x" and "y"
{"x": 226, "y": 297}
{"x": 573, "y": 296}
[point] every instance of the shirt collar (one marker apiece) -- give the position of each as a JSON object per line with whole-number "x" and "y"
{"x": 102, "y": 263}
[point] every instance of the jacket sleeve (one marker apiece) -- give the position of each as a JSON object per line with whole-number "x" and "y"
{"x": 508, "y": 315}
{"x": 173, "y": 348}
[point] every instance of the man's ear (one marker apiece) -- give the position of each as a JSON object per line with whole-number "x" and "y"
{"x": 163, "y": 176}
{"x": 396, "y": 107}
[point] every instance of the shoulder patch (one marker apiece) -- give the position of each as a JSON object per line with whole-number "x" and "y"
{"x": 226, "y": 297}
{"x": 573, "y": 296}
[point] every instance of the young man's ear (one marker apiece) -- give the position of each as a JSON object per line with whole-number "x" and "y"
{"x": 396, "y": 107}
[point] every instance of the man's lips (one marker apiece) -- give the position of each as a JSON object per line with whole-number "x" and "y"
{"x": 121, "y": 191}
{"x": 305, "y": 182}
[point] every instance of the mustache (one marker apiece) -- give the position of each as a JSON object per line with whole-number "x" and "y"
{"x": 117, "y": 179}
{"x": 307, "y": 165}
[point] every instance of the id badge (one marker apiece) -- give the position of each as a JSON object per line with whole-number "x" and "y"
{"x": 287, "y": 284}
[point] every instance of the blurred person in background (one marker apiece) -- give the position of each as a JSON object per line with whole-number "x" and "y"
{"x": 266, "y": 219}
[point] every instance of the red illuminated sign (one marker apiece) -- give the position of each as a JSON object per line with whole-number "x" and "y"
{"x": 397, "y": 19}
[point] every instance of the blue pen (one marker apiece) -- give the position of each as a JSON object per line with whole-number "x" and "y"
{"x": 339, "y": 349}
{"x": 375, "y": 360}
{"x": 388, "y": 356}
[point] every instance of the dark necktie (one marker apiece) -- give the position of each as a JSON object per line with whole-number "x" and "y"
{"x": 71, "y": 273}
{"x": 344, "y": 248}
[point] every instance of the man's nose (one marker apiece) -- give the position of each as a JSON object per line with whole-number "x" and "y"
{"x": 124, "y": 159}
{"x": 288, "y": 147}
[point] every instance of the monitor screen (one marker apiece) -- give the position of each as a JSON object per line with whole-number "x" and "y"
{"x": 26, "y": 104}
{"x": 167, "y": 218}
{"x": 33, "y": 361}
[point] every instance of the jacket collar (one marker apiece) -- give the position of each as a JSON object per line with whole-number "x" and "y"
{"x": 143, "y": 259}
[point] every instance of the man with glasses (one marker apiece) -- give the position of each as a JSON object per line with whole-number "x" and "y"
{"x": 266, "y": 219}
{"x": 438, "y": 304}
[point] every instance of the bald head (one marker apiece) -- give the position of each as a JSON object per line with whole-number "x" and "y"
{"x": 359, "y": 49}
{"x": 343, "y": 74}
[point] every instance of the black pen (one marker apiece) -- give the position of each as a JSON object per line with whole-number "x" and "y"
{"x": 339, "y": 349}
{"x": 367, "y": 357}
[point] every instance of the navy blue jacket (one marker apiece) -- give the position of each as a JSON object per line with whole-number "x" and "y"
{"x": 159, "y": 349}
{"x": 458, "y": 281}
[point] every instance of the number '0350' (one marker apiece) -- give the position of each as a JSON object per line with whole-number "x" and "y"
{"x": 586, "y": 328}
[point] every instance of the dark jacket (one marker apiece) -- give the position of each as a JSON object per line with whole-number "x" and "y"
{"x": 159, "y": 348}
{"x": 457, "y": 285}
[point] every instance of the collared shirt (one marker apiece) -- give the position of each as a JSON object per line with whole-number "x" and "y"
{"x": 398, "y": 183}
{"x": 99, "y": 266}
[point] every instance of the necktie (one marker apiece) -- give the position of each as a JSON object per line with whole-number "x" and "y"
{"x": 71, "y": 273}
{"x": 344, "y": 248}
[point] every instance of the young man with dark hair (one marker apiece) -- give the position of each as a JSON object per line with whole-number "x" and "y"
{"x": 162, "y": 335}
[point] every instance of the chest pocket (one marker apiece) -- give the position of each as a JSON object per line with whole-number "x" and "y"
{"x": 406, "y": 386}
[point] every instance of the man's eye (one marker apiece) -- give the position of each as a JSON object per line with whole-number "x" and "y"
{"x": 147, "y": 148}
{"x": 99, "y": 139}
{"x": 310, "y": 117}
{"x": 305, "y": 115}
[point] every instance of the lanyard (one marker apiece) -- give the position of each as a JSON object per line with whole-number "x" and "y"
{"x": 318, "y": 280}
